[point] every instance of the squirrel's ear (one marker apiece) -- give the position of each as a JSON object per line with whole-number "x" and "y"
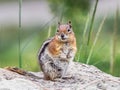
{"x": 58, "y": 26}
{"x": 58, "y": 23}
{"x": 70, "y": 24}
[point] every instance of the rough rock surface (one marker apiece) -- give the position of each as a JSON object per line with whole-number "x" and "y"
{"x": 81, "y": 77}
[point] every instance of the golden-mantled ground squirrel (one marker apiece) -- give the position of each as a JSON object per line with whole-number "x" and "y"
{"x": 58, "y": 52}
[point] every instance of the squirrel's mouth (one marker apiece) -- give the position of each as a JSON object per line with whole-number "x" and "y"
{"x": 63, "y": 38}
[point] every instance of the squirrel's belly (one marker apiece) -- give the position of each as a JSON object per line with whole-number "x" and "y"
{"x": 53, "y": 64}
{"x": 61, "y": 64}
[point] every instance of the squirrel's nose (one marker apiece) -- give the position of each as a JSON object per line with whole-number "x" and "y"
{"x": 62, "y": 35}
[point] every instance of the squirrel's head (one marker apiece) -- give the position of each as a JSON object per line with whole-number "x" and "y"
{"x": 64, "y": 32}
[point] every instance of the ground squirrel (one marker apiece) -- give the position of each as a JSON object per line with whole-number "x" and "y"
{"x": 58, "y": 52}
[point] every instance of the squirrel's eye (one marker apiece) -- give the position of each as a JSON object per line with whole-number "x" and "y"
{"x": 69, "y": 30}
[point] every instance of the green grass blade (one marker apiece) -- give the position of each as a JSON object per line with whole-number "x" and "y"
{"x": 92, "y": 21}
{"x": 113, "y": 48}
{"x": 86, "y": 26}
{"x": 62, "y": 11}
{"x": 49, "y": 32}
{"x": 19, "y": 35}
{"x": 96, "y": 38}
{"x": 37, "y": 32}
{"x": 83, "y": 38}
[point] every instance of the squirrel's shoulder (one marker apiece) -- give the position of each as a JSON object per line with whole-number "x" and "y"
{"x": 44, "y": 45}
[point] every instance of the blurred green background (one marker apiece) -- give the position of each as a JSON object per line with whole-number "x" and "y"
{"x": 39, "y": 21}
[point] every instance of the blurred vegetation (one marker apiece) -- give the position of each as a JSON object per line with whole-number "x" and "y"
{"x": 79, "y": 13}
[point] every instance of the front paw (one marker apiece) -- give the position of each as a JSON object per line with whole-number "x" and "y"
{"x": 63, "y": 56}
{"x": 64, "y": 60}
{"x": 69, "y": 56}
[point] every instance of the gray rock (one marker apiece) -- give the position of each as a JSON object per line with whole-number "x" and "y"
{"x": 79, "y": 77}
{"x": 18, "y": 84}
